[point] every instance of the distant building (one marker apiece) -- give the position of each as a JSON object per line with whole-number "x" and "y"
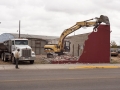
{"x": 37, "y": 42}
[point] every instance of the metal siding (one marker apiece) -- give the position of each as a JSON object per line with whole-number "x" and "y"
{"x": 42, "y": 47}
{"x": 97, "y": 47}
{"x": 37, "y": 45}
{"x": 42, "y": 51}
{"x": 37, "y": 42}
{"x": 37, "y": 50}
{"x": 33, "y": 43}
{"x": 77, "y": 39}
{"x": 53, "y": 41}
{"x": 43, "y": 43}
{"x": 29, "y": 42}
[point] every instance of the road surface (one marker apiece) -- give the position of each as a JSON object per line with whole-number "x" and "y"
{"x": 80, "y": 79}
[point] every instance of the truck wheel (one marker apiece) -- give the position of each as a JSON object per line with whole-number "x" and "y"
{"x": 13, "y": 59}
{"x": 32, "y": 61}
{"x": 2, "y": 56}
{"x": 5, "y": 59}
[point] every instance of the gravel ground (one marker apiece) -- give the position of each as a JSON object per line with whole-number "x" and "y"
{"x": 115, "y": 59}
{"x": 41, "y": 59}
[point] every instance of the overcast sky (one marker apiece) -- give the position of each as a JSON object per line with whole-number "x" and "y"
{"x": 52, "y": 17}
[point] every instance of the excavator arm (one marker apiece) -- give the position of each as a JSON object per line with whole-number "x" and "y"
{"x": 78, "y": 25}
{"x": 68, "y": 31}
{"x": 59, "y": 48}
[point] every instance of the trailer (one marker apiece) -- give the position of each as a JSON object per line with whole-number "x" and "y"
{"x": 8, "y": 48}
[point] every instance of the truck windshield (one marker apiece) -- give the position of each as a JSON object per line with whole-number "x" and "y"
{"x": 21, "y": 42}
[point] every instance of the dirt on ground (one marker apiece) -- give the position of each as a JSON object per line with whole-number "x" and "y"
{"x": 115, "y": 59}
{"x": 42, "y": 59}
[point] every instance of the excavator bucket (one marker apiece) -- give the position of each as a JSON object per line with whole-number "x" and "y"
{"x": 104, "y": 19}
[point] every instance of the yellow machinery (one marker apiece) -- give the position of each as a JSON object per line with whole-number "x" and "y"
{"x": 59, "y": 48}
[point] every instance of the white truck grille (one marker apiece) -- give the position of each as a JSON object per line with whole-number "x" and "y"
{"x": 26, "y": 52}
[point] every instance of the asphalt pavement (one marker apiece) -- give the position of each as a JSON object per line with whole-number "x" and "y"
{"x": 58, "y": 66}
{"x": 60, "y": 79}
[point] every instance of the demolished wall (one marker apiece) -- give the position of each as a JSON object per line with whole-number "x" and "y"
{"x": 96, "y": 48}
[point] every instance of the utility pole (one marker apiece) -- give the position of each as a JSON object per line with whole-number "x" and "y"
{"x": 19, "y": 28}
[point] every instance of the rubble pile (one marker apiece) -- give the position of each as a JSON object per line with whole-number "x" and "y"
{"x": 65, "y": 58}
{"x": 44, "y": 60}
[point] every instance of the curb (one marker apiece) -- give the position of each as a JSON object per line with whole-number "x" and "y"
{"x": 94, "y": 67}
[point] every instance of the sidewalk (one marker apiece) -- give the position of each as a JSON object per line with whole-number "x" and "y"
{"x": 59, "y": 66}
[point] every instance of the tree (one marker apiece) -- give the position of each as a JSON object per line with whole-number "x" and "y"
{"x": 113, "y": 44}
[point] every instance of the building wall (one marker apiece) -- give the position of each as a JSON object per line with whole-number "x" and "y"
{"x": 53, "y": 41}
{"x": 37, "y": 45}
{"x": 35, "y": 41}
{"x": 92, "y": 47}
{"x": 97, "y": 47}
{"x": 77, "y": 44}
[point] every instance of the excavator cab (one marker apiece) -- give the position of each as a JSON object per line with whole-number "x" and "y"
{"x": 66, "y": 46}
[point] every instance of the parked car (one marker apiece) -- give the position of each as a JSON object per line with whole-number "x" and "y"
{"x": 114, "y": 52}
{"x": 118, "y": 50}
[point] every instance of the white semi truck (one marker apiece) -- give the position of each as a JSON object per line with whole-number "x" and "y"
{"x": 9, "y": 47}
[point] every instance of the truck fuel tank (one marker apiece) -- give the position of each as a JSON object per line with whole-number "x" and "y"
{"x": 2, "y": 46}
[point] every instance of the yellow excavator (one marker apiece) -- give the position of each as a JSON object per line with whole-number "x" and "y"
{"x": 59, "y": 48}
